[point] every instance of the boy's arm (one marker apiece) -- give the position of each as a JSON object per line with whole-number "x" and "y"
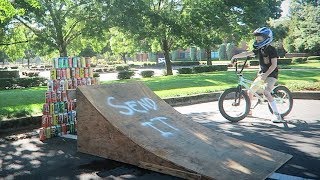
{"x": 242, "y": 55}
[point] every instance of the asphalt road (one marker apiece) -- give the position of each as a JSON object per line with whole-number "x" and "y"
{"x": 25, "y": 157}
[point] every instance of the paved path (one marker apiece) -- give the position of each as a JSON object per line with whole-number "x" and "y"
{"x": 300, "y": 136}
{"x": 57, "y": 158}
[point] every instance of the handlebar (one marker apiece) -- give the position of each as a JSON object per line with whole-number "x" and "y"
{"x": 236, "y": 62}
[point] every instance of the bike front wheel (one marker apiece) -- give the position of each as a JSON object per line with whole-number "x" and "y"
{"x": 283, "y": 98}
{"x": 234, "y": 104}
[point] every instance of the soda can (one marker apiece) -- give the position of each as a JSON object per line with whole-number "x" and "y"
{"x": 50, "y": 85}
{"x": 79, "y": 82}
{"x": 78, "y": 62}
{"x": 53, "y": 97}
{"x": 64, "y": 128}
{"x": 77, "y": 73}
{"x": 44, "y": 121}
{"x": 61, "y": 86}
{"x": 58, "y": 73}
{"x": 64, "y": 96}
{"x": 56, "y": 108}
{"x": 59, "y": 95}
{"x": 68, "y": 75}
{"x": 71, "y": 127}
{"x": 53, "y": 131}
{"x": 56, "y": 84}
{"x": 61, "y": 107}
{"x": 74, "y": 62}
{"x": 55, "y": 119}
{"x": 81, "y": 73}
{"x": 46, "y": 108}
{"x": 90, "y": 69}
{"x": 86, "y": 72}
{"x": 59, "y": 130}
{"x": 48, "y": 96}
{"x": 42, "y": 134}
{"x": 63, "y": 74}
{"x": 73, "y": 72}
{"x": 88, "y": 62}
{"x": 65, "y": 117}
{"x": 50, "y": 120}
{"x": 65, "y": 62}
{"x": 89, "y": 81}
{"x": 60, "y": 118}
{"x": 70, "y": 84}
{"x": 51, "y": 108}
{"x": 84, "y": 81}
{"x": 55, "y": 62}
{"x": 74, "y": 115}
{"x": 70, "y": 116}
{"x": 83, "y": 62}
{"x": 74, "y": 83}
{"x": 70, "y": 62}
{"x": 48, "y": 132}
{"x": 53, "y": 74}
{"x": 60, "y": 59}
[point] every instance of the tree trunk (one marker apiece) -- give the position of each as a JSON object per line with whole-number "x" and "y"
{"x": 208, "y": 51}
{"x": 63, "y": 50}
{"x": 166, "y": 50}
{"x": 123, "y": 57}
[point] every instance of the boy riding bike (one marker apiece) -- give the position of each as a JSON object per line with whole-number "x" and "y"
{"x": 268, "y": 71}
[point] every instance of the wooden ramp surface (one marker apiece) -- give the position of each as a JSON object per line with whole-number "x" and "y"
{"x": 129, "y": 123}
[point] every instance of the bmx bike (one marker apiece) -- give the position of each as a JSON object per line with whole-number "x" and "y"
{"x": 234, "y": 103}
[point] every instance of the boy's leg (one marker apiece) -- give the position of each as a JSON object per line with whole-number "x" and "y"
{"x": 267, "y": 92}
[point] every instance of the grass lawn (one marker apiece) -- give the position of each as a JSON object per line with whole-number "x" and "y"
{"x": 24, "y": 102}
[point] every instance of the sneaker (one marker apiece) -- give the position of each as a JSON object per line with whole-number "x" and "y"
{"x": 277, "y": 118}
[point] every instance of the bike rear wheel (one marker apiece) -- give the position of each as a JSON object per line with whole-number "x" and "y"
{"x": 283, "y": 99}
{"x": 234, "y": 104}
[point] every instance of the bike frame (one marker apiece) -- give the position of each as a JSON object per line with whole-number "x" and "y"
{"x": 243, "y": 82}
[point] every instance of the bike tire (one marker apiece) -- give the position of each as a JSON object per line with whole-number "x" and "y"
{"x": 284, "y": 100}
{"x": 232, "y": 95}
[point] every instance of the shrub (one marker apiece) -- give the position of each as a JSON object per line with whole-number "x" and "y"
{"x": 185, "y": 63}
{"x": 125, "y": 74}
{"x": 12, "y": 83}
{"x": 299, "y": 60}
{"x": 9, "y": 74}
{"x": 185, "y": 71}
{"x": 254, "y": 63}
{"x": 122, "y": 68}
{"x": 147, "y": 73}
{"x": 314, "y": 58}
{"x": 284, "y": 61}
{"x": 201, "y": 69}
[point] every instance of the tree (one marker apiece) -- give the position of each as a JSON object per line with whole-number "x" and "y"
{"x": 57, "y": 23}
{"x": 303, "y": 35}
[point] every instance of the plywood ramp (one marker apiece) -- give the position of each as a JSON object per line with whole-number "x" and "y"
{"x": 129, "y": 123}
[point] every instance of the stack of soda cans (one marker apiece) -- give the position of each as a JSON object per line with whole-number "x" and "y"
{"x": 59, "y": 115}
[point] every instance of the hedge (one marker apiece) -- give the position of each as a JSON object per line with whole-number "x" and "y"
{"x": 314, "y": 58}
{"x": 284, "y": 61}
{"x": 299, "y": 59}
{"x": 185, "y": 71}
{"x": 147, "y": 73}
{"x": 9, "y": 74}
{"x": 200, "y": 69}
{"x": 254, "y": 63}
{"x": 185, "y": 63}
{"x": 13, "y": 83}
{"x": 125, "y": 74}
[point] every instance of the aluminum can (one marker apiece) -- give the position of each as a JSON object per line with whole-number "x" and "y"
{"x": 44, "y": 121}
{"x": 88, "y": 62}
{"x": 56, "y": 108}
{"x": 55, "y": 62}
{"x": 81, "y": 73}
{"x": 83, "y": 62}
{"x": 89, "y": 81}
{"x": 61, "y": 64}
{"x": 70, "y": 64}
{"x": 79, "y": 82}
{"x": 90, "y": 69}
{"x": 74, "y": 62}
{"x": 53, "y": 74}
{"x": 48, "y": 132}
{"x": 42, "y": 134}
{"x": 64, "y": 129}
{"x": 86, "y": 72}
{"x": 65, "y": 117}
{"x": 68, "y": 73}
{"x": 48, "y": 96}
{"x": 70, "y": 84}
{"x": 58, "y": 72}
{"x": 50, "y": 85}
{"x": 60, "y": 118}
{"x": 46, "y": 108}
{"x": 51, "y": 110}
{"x": 59, "y": 95}
{"x": 77, "y": 74}
{"x": 61, "y": 86}
{"x": 55, "y": 119}
{"x": 73, "y": 72}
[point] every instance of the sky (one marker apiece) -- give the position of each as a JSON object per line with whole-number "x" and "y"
{"x": 285, "y": 7}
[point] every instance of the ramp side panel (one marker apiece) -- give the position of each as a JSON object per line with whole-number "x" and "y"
{"x": 135, "y": 111}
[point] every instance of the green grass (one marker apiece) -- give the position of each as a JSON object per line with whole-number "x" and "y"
{"x": 24, "y": 102}
{"x": 21, "y": 102}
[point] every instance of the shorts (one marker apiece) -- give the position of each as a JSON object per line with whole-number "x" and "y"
{"x": 269, "y": 85}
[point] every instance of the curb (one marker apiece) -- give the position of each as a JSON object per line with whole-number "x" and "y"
{"x": 27, "y": 123}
